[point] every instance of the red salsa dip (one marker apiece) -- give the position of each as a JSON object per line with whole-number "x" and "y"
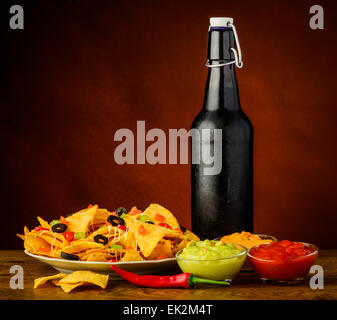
{"x": 283, "y": 260}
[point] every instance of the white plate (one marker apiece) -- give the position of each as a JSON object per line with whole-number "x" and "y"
{"x": 140, "y": 267}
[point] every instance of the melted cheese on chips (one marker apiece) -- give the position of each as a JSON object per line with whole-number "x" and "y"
{"x": 136, "y": 241}
{"x": 149, "y": 239}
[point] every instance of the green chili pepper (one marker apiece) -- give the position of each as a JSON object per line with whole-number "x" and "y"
{"x": 144, "y": 218}
{"x": 123, "y": 215}
{"x": 79, "y": 235}
{"x": 100, "y": 229}
{"x": 54, "y": 222}
{"x": 116, "y": 246}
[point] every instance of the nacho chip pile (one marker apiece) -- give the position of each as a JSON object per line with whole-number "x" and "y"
{"x": 95, "y": 234}
{"x": 74, "y": 280}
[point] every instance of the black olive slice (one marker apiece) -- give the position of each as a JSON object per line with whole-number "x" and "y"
{"x": 69, "y": 256}
{"x": 115, "y": 221}
{"x": 121, "y": 210}
{"x": 101, "y": 239}
{"x": 149, "y": 222}
{"x": 59, "y": 227}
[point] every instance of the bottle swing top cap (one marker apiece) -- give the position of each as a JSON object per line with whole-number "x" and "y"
{"x": 220, "y": 22}
{"x": 216, "y": 51}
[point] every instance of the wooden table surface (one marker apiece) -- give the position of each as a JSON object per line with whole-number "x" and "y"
{"x": 243, "y": 287}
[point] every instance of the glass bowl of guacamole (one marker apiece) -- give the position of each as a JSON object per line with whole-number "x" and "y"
{"x": 211, "y": 259}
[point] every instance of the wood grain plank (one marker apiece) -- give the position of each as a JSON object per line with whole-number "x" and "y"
{"x": 243, "y": 287}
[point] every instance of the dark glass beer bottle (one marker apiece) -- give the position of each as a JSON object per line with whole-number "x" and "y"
{"x": 222, "y": 201}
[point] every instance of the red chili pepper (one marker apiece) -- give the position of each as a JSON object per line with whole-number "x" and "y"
{"x": 134, "y": 211}
{"x": 40, "y": 228}
{"x": 165, "y": 225}
{"x": 159, "y": 217}
{"x": 142, "y": 230}
{"x": 111, "y": 260}
{"x": 63, "y": 220}
{"x": 69, "y": 235}
{"x": 182, "y": 280}
{"x": 121, "y": 227}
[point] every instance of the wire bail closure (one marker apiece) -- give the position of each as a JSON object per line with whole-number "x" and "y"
{"x": 237, "y": 53}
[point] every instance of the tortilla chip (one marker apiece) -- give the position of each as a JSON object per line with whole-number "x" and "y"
{"x": 53, "y": 238}
{"x": 180, "y": 245}
{"x": 99, "y": 256}
{"x": 56, "y": 282}
{"x": 35, "y": 242}
{"x": 97, "y": 279}
{"x": 125, "y": 239}
{"x": 21, "y": 236}
{"x": 102, "y": 231}
{"x": 103, "y": 257}
{"x": 191, "y": 236}
{"x": 154, "y": 208}
{"x": 40, "y": 247}
{"x": 46, "y": 243}
{"x": 67, "y": 287}
{"x": 153, "y": 234}
{"x": 39, "y": 282}
{"x": 80, "y": 221}
{"x": 87, "y": 252}
{"x": 132, "y": 217}
{"x": 132, "y": 255}
{"x": 43, "y": 223}
{"x": 82, "y": 245}
{"x": 75, "y": 279}
{"x": 28, "y": 247}
{"x": 163, "y": 249}
{"x": 26, "y": 230}
{"x": 101, "y": 216}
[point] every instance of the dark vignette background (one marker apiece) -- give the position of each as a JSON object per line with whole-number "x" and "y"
{"x": 80, "y": 70}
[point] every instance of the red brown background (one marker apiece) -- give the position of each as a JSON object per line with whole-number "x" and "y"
{"x": 80, "y": 70}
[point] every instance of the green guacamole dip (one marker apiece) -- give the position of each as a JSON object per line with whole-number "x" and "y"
{"x": 212, "y": 259}
{"x": 209, "y": 250}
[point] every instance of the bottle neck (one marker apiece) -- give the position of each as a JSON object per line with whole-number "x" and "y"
{"x": 221, "y": 86}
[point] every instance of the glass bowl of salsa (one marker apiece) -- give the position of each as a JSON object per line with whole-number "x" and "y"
{"x": 212, "y": 259}
{"x": 283, "y": 261}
